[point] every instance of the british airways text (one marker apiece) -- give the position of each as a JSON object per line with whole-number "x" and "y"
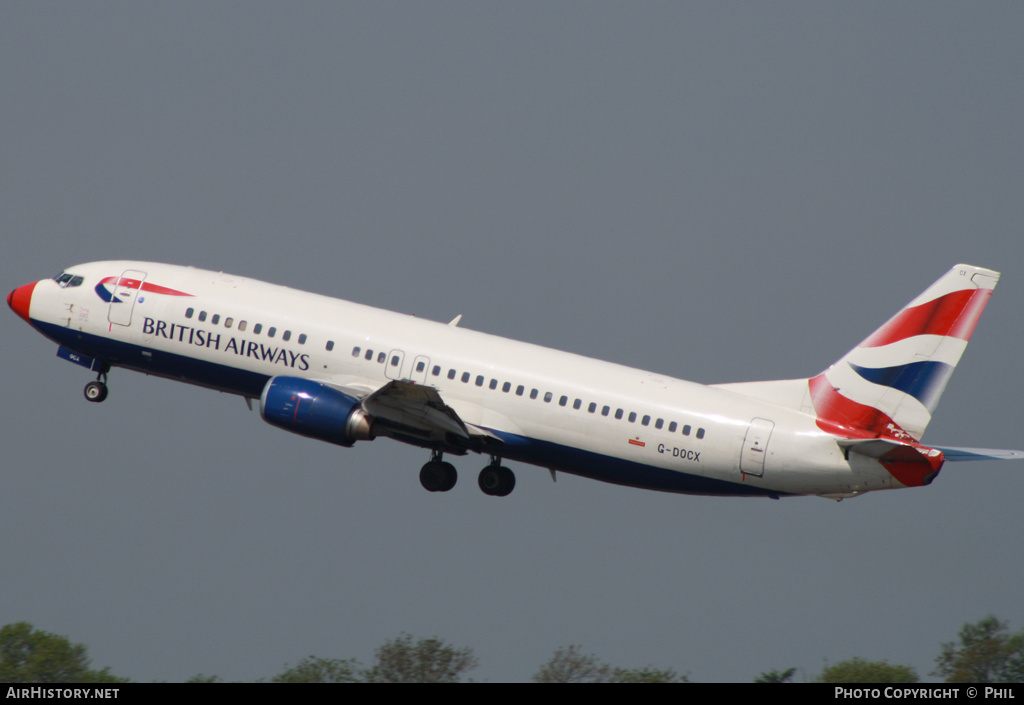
{"x": 243, "y": 348}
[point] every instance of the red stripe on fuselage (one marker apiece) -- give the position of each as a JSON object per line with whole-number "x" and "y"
{"x": 142, "y": 286}
{"x": 844, "y": 416}
{"x": 912, "y": 465}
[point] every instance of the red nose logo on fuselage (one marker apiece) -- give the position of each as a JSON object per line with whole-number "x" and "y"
{"x": 20, "y": 298}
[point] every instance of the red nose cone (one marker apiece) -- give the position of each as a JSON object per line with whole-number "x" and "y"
{"x": 20, "y": 298}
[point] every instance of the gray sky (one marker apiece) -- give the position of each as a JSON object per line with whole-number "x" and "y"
{"x": 716, "y": 191}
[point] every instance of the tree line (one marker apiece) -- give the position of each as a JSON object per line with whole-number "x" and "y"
{"x": 984, "y": 652}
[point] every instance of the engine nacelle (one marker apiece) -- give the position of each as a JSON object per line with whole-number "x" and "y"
{"x": 315, "y": 410}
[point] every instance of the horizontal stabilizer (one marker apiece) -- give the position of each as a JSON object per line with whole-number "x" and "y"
{"x": 870, "y": 447}
{"x": 962, "y": 454}
{"x": 911, "y": 464}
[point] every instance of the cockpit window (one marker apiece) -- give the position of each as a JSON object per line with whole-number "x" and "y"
{"x": 66, "y": 279}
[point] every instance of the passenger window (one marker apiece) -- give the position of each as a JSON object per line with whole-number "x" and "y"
{"x": 506, "y": 387}
{"x": 189, "y": 312}
{"x": 577, "y": 404}
{"x": 493, "y": 384}
{"x": 562, "y": 400}
{"x": 465, "y": 377}
{"x": 519, "y": 390}
{"x": 686, "y": 430}
{"x": 202, "y": 316}
{"x": 436, "y": 371}
{"x": 330, "y": 346}
{"x": 672, "y": 427}
{"x": 395, "y": 359}
{"x": 228, "y": 322}
{"x": 548, "y": 396}
{"x": 420, "y": 366}
{"x": 381, "y": 357}
{"x": 257, "y": 328}
{"x": 302, "y": 339}
{"x": 216, "y": 319}
{"x": 451, "y": 374}
{"x": 356, "y": 350}
{"x": 605, "y": 410}
{"x": 479, "y": 380}
{"x": 533, "y": 393}
{"x": 271, "y": 332}
{"x": 618, "y": 413}
{"x": 700, "y": 433}
{"x": 646, "y": 420}
{"x": 287, "y": 336}
{"x": 242, "y": 325}
{"x": 659, "y": 423}
{"x": 632, "y": 417}
{"x": 592, "y": 408}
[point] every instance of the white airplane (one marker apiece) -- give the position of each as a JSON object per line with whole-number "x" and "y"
{"x": 343, "y": 372}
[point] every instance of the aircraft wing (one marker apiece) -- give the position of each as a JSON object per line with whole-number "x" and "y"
{"x": 407, "y": 404}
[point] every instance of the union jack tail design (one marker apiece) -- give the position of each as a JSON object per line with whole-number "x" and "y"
{"x": 889, "y": 385}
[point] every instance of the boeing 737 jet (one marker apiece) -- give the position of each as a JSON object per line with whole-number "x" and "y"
{"x": 343, "y": 372}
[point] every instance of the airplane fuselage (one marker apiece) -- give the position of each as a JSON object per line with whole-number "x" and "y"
{"x": 512, "y": 400}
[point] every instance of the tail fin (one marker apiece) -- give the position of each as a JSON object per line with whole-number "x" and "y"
{"x": 890, "y": 384}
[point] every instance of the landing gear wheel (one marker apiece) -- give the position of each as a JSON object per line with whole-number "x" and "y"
{"x": 497, "y": 481}
{"x": 438, "y": 476}
{"x": 95, "y": 391}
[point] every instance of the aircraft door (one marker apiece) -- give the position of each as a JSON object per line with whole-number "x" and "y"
{"x": 393, "y": 365}
{"x": 755, "y": 447}
{"x": 125, "y": 292}
{"x": 420, "y": 365}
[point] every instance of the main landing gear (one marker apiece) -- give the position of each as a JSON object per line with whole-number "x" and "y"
{"x": 96, "y": 391}
{"x": 496, "y": 479}
{"x": 439, "y": 476}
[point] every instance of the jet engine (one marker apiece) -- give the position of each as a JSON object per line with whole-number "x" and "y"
{"x": 315, "y": 410}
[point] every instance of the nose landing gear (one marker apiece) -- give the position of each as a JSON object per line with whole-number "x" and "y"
{"x": 96, "y": 391}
